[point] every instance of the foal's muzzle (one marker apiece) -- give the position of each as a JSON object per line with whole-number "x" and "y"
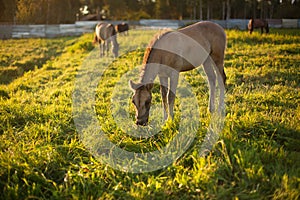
{"x": 141, "y": 123}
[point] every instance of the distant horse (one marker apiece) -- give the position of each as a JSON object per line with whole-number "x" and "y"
{"x": 122, "y": 28}
{"x": 105, "y": 34}
{"x": 177, "y": 51}
{"x": 258, "y": 23}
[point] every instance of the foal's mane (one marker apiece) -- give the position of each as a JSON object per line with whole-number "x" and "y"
{"x": 149, "y": 49}
{"x": 150, "y": 46}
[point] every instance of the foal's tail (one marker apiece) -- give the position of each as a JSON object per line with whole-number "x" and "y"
{"x": 96, "y": 39}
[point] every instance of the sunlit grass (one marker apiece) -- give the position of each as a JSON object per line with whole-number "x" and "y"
{"x": 256, "y": 157}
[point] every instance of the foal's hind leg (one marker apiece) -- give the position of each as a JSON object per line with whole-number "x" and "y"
{"x": 217, "y": 65}
{"x": 102, "y": 46}
{"x": 108, "y": 41}
{"x": 211, "y": 76}
{"x": 100, "y": 49}
{"x": 221, "y": 76}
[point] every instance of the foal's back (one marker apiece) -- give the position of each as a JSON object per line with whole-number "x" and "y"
{"x": 105, "y": 30}
{"x": 189, "y": 47}
{"x": 212, "y": 38}
{"x": 204, "y": 32}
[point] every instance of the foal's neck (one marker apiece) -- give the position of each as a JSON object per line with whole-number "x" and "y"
{"x": 114, "y": 40}
{"x": 149, "y": 73}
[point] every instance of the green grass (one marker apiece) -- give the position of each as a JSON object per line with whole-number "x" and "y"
{"x": 256, "y": 157}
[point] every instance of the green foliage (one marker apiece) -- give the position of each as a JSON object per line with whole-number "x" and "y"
{"x": 83, "y": 46}
{"x": 256, "y": 157}
{"x": 8, "y": 9}
{"x": 46, "y": 11}
{"x": 67, "y": 11}
{"x": 138, "y": 15}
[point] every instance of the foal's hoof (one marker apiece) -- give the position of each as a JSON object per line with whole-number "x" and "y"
{"x": 141, "y": 123}
{"x": 211, "y": 110}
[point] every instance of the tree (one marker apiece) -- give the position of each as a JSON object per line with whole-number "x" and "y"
{"x": 288, "y": 9}
{"x": 148, "y": 7}
{"x": 28, "y": 11}
{"x": 59, "y": 11}
{"x": 64, "y": 11}
{"x": 117, "y": 9}
{"x": 46, "y": 11}
{"x": 7, "y": 10}
{"x": 228, "y": 9}
{"x": 162, "y": 9}
{"x": 139, "y": 9}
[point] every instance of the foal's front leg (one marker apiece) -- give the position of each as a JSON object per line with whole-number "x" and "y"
{"x": 172, "y": 92}
{"x": 164, "y": 92}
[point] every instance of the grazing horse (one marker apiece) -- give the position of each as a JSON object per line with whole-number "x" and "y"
{"x": 122, "y": 28}
{"x": 105, "y": 34}
{"x": 258, "y": 23}
{"x": 177, "y": 51}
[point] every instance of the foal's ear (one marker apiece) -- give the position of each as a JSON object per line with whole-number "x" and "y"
{"x": 133, "y": 85}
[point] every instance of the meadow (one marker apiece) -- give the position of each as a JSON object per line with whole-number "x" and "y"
{"x": 257, "y": 155}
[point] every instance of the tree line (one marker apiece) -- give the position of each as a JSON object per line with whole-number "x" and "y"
{"x": 68, "y": 11}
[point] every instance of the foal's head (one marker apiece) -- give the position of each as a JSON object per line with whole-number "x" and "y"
{"x": 142, "y": 101}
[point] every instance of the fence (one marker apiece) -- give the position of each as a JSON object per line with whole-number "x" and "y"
{"x": 80, "y": 27}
